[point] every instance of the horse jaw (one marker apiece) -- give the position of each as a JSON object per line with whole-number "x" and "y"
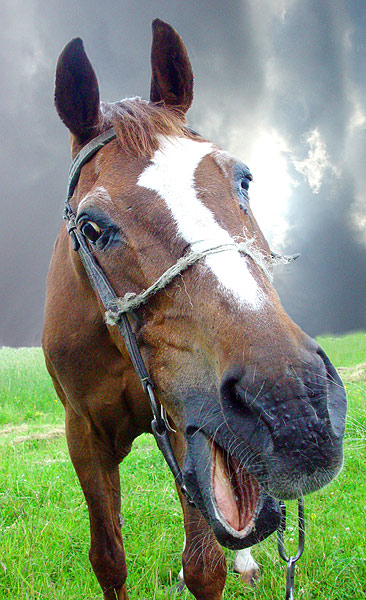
{"x": 239, "y": 511}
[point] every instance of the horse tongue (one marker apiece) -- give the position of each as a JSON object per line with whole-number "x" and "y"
{"x": 223, "y": 491}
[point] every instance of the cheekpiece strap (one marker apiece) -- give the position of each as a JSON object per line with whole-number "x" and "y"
{"x": 85, "y": 155}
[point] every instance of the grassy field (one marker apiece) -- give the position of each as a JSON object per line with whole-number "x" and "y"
{"x": 44, "y": 532}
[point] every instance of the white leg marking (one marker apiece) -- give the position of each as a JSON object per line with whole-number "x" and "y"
{"x": 244, "y": 561}
{"x": 246, "y": 566}
{"x": 181, "y": 574}
{"x": 171, "y": 175}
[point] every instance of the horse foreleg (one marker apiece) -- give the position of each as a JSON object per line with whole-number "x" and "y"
{"x": 98, "y": 474}
{"x": 204, "y": 565}
{"x": 244, "y": 565}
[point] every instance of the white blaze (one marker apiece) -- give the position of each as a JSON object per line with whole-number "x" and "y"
{"x": 171, "y": 175}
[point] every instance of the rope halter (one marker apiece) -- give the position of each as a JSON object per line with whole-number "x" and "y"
{"x": 131, "y": 301}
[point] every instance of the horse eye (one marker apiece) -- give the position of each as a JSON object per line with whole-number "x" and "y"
{"x": 91, "y": 231}
{"x": 244, "y": 182}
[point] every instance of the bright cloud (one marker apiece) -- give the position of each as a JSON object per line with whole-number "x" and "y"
{"x": 272, "y": 185}
{"x": 317, "y": 162}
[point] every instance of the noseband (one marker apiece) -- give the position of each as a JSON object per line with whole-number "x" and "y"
{"x": 116, "y": 309}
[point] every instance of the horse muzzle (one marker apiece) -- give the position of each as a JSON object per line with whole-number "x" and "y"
{"x": 262, "y": 442}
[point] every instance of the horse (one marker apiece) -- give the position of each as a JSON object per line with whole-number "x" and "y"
{"x": 160, "y": 244}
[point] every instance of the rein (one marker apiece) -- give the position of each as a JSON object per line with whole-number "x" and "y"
{"x": 116, "y": 310}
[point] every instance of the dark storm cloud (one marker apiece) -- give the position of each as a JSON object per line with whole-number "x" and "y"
{"x": 315, "y": 48}
{"x": 291, "y": 66}
{"x": 310, "y": 52}
{"x": 325, "y": 290}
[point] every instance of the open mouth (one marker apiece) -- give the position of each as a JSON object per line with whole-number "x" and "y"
{"x": 236, "y": 492}
{"x": 231, "y": 499}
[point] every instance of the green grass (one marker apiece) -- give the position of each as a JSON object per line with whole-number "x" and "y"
{"x": 346, "y": 350}
{"x": 44, "y": 531}
{"x": 26, "y": 392}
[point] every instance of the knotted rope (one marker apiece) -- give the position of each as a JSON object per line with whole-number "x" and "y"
{"x": 132, "y": 301}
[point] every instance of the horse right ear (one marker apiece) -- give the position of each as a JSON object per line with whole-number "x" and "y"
{"x": 171, "y": 71}
{"x": 77, "y": 91}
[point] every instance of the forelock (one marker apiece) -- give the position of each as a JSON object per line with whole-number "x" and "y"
{"x": 139, "y": 123}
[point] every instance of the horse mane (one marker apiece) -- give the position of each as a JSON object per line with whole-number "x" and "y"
{"x": 139, "y": 123}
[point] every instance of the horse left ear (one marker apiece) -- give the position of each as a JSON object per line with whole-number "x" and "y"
{"x": 172, "y": 76}
{"x": 77, "y": 91}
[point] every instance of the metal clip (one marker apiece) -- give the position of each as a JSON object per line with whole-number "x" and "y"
{"x": 164, "y": 416}
{"x": 69, "y": 218}
{"x": 159, "y": 422}
{"x": 291, "y": 560}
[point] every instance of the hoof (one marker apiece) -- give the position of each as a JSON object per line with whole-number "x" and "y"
{"x": 177, "y": 589}
{"x": 250, "y": 577}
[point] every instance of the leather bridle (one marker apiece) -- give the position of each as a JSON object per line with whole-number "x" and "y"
{"x": 108, "y": 297}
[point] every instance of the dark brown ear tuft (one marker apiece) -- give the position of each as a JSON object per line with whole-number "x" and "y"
{"x": 172, "y": 76}
{"x": 76, "y": 91}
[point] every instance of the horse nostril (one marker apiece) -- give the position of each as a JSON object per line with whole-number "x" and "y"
{"x": 238, "y": 396}
{"x": 231, "y": 387}
{"x": 244, "y": 415}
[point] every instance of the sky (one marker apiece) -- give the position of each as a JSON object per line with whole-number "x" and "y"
{"x": 279, "y": 83}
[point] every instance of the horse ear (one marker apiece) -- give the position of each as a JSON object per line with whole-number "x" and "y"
{"x": 172, "y": 76}
{"x": 76, "y": 91}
